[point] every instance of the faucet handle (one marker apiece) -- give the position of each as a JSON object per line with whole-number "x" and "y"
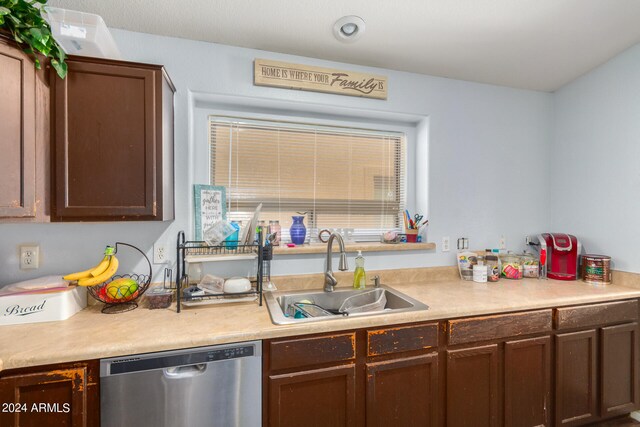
{"x": 376, "y": 281}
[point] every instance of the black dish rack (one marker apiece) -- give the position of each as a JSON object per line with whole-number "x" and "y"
{"x": 196, "y": 248}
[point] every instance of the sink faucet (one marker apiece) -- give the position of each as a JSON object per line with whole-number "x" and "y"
{"x": 329, "y": 281}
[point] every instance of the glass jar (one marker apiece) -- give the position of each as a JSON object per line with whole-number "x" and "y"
{"x": 530, "y": 266}
{"x": 511, "y": 266}
{"x": 274, "y": 227}
{"x": 493, "y": 267}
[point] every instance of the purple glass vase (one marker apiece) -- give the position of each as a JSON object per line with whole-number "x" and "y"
{"x": 298, "y": 231}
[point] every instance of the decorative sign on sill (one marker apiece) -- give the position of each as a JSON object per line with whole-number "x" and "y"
{"x": 210, "y": 207}
{"x": 318, "y": 79}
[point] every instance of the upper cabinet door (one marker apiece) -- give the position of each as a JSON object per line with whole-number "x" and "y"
{"x": 110, "y": 142}
{"x": 17, "y": 133}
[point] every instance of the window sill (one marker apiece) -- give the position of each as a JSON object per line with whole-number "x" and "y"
{"x": 321, "y": 248}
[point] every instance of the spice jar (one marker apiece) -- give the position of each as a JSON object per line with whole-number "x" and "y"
{"x": 493, "y": 267}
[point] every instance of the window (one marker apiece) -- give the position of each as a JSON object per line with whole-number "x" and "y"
{"x": 342, "y": 177}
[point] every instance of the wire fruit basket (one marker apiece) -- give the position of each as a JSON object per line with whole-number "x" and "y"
{"x": 121, "y": 292}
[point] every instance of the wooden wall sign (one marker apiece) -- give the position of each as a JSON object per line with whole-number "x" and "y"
{"x": 318, "y": 79}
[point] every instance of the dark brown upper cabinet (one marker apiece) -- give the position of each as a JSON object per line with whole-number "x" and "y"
{"x": 24, "y": 136}
{"x": 112, "y": 142}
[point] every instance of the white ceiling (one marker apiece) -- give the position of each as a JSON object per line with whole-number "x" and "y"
{"x": 532, "y": 44}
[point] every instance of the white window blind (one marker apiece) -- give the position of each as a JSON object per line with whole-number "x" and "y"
{"x": 342, "y": 177}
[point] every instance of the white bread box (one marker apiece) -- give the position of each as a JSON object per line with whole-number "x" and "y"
{"x": 25, "y": 303}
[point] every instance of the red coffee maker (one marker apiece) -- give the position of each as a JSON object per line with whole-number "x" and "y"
{"x": 563, "y": 253}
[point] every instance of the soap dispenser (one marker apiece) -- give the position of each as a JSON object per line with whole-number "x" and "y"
{"x": 359, "y": 277}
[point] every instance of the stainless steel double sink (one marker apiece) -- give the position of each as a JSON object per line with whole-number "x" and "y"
{"x": 279, "y": 304}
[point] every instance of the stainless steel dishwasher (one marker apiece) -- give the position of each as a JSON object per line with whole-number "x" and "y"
{"x": 205, "y": 386}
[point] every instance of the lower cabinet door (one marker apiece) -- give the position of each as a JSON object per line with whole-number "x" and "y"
{"x": 527, "y": 382}
{"x": 318, "y": 398}
{"x": 619, "y": 365}
{"x": 576, "y": 378}
{"x": 60, "y": 397}
{"x": 403, "y": 392}
{"x": 472, "y": 386}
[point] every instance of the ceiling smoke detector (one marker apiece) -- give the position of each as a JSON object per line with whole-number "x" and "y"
{"x": 348, "y": 28}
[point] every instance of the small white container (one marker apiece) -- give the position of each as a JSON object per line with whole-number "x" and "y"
{"x": 236, "y": 285}
{"x": 480, "y": 273}
{"x": 42, "y": 306}
{"x": 81, "y": 33}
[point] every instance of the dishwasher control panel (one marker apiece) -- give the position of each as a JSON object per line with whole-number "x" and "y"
{"x": 230, "y": 353}
{"x": 162, "y": 360}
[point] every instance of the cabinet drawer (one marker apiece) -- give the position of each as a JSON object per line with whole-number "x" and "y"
{"x": 312, "y": 351}
{"x": 499, "y": 326}
{"x": 596, "y": 314}
{"x": 402, "y": 338}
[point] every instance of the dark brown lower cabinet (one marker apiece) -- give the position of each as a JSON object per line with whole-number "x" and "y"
{"x": 63, "y": 395}
{"x": 402, "y": 392}
{"x": 527, "y": 382}
{"x": 576, "y": 378}
{"x": 619, "y": 369}
{"x": 320, "y": 398}
{"x": 569, "y": 366}
{"x": 472, "y": 386}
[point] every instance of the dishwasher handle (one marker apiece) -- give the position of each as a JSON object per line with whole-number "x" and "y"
{"x": 189, "y": 371}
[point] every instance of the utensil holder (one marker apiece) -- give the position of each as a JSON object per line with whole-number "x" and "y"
{"x": 412, "y": 235}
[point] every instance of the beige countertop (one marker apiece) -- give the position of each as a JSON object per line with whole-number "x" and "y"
{"x": 93, "y": 335}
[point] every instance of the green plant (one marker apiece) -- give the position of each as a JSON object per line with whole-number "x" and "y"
{"x": 23, "y": 19}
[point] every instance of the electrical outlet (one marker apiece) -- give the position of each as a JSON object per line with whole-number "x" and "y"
{"x": 527, "y": 240}
{"x": 160, "y": 255}
{"x": 29, "y": 257}
{"x": 445, "y": 244}
{"x": 503, "y": 243}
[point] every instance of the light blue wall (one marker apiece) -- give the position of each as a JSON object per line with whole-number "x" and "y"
{"x": 488, "y": 150}
{"x": 596, "y": 160}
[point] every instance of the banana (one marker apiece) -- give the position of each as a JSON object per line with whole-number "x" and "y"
{"x": 79, "y": 275}
{"x": 95, "y": 271}
{"x": 102, "y": 267}
{"x": 106, "y": 275}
